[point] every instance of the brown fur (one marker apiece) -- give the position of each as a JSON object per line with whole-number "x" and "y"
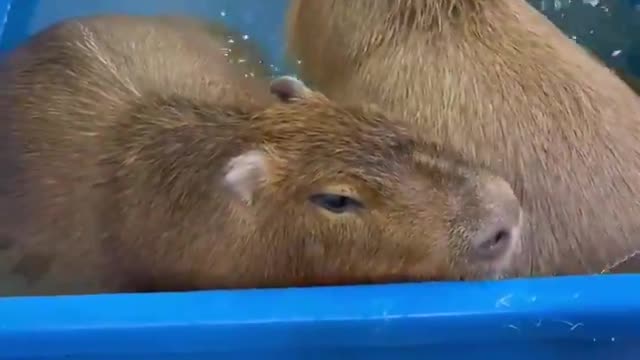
{"x": 244, "y": 55}
{"x": 129, "y": 134}
{"x": 497, "y": 81}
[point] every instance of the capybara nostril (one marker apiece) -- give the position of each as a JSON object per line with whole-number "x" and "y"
{"x": 494, "y": 242}
{"x": 498, "y": 229}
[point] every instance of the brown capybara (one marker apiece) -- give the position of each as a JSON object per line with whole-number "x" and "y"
{"x": 499, "y": 83}
{"x": 141, "y": 161}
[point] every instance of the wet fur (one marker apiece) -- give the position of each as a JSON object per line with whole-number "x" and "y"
{"x": 497, "y": 81}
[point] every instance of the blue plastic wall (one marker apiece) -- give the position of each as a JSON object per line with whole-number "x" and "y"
{"x": 594, "y": 317}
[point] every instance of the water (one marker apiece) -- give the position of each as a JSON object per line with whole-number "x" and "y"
{"x": 609, "y": 28}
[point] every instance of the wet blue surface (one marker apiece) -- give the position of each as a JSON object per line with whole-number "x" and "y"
{"x": 593, "y": 317}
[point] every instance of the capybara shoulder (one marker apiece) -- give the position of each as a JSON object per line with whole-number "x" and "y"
{"x": 139, "y": 179}
{"x": 498, "y": 82}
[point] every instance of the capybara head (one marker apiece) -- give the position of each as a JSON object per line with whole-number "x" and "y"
{"x": 329, "y": 194}
{"x": 364, "y": 202}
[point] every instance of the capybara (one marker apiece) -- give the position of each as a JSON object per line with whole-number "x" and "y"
{"x": 141, "y": 161}
{"x": 497, "y": 82}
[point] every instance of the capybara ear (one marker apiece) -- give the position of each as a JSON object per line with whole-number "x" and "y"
{"x": 288, "y": 88}
{"x": 244, "y": 174}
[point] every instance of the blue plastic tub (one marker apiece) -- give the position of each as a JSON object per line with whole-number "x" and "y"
{"x": 594, "y": 317}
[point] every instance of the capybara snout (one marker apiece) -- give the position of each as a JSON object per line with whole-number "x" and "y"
{"x": 496, "y": 234}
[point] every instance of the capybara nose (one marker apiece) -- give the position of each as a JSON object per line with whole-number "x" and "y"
{"x": 498, "y": 228}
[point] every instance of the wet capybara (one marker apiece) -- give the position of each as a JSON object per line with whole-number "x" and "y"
{"x": 141, "y": 161}
{"x": 499, "y": 83}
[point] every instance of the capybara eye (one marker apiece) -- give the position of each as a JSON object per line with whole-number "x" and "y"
{"x": 337, "y": 204}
